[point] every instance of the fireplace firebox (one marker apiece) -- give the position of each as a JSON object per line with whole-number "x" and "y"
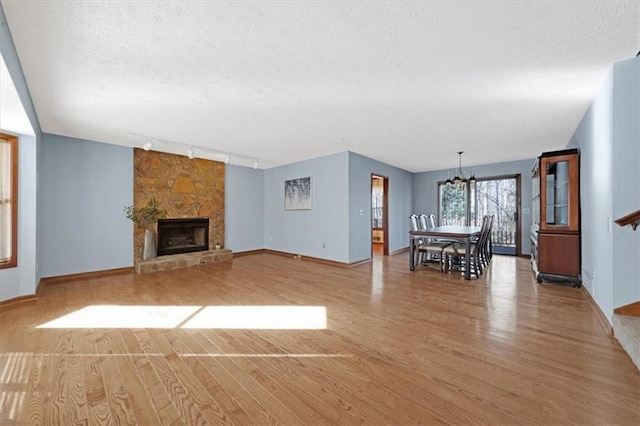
{"x": 182, "y": 235}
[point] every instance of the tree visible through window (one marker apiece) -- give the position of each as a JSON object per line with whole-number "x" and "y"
{"x": 456, "y": 205}
{"x": 467, "y": 203}
{"x": 8, "y": 201}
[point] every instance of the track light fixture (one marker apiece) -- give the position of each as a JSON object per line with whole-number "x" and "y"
{"x": 166, "y": 145}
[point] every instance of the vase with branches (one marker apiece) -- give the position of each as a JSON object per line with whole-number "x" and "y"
{"x": 145, "y": 217}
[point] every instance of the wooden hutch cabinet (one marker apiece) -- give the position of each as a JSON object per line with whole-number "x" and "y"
{"x": 555, "y": 230}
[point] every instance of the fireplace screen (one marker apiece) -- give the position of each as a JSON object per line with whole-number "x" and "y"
{"x": 182, "y": 235}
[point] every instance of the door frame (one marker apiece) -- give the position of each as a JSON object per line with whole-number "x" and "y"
{"x": 385, "y": 212}
{"x": 518, "y": 178}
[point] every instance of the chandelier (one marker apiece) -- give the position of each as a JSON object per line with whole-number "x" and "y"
{"x": 459, "y": 177}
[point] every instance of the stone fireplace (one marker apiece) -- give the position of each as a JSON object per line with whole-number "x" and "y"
{"x": 185, "y": 188}
{"x": 177, "y": 236}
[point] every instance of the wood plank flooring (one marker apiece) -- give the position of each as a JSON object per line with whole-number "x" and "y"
{"x": 399, "y": 347}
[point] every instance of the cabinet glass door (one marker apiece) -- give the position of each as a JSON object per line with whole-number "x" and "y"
{"x": 557, "y": 200}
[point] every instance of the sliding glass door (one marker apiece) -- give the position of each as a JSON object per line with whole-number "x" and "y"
{"x": 455, "y": 205}
{"x": 466, "y": 204}
{"x": 500, "y": 198}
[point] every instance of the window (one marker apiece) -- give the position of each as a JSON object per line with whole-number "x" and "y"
{"x": 454, "y": 204}
{"x": 8, "y": 201}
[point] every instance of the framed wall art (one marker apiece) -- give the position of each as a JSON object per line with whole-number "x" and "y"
{"x": 297, "y": 194}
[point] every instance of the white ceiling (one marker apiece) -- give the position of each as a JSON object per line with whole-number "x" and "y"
{"x": 406, "y": 83}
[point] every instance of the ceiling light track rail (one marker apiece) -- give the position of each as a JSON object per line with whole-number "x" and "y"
{"x": 196, "y": 151}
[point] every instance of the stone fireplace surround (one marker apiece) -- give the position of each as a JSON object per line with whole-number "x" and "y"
{"x": 185, "y": 188}
{"x": 184, "y": 260}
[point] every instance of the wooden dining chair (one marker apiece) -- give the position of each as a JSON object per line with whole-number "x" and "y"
{"x": 423, "y": 220}
{"x": 415, "y": 226}
{"x": 428, "y": 249}
{"x": 459, "y": 251}
{"x": 487, "y": 251}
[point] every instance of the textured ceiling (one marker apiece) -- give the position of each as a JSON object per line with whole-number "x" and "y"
{"x": 407, "y": 83}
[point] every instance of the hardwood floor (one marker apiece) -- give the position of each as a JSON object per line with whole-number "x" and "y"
{"x": 377, "y": 249}
{"x": 399, "y": 347}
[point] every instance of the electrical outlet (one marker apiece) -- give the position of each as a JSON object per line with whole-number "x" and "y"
{"x": 324, "y": 245}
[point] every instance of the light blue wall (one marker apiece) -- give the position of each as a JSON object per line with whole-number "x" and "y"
{"x": 21, "y": 280}
{"x": 425, "y": 191}
{"x": 608, "y": 138}
{"x": 400, "y": 200}
{"x": 85, "y": 187}
{"x": 594, "y": 139}
{"x": 626, "y": 180}
{"x": 10, "y": 55}
{"x": 244, "y": 208}
{"x": 304, "y": 231}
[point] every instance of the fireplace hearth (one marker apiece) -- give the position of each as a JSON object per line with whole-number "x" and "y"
{"x": 182, "y": 235}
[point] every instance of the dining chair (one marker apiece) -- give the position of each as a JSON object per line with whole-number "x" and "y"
{"x": 415, "y": 226}
{"x": 423, "y": 220}
{"x": 435, "y": 246}
{"x": 487, "y": 251}
{"x": 477, "y": 249}
{"x": 428, "y": 249}
{"x": 432, "y": 220}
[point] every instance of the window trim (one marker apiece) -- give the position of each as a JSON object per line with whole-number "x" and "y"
{"x": 13, "y": 261}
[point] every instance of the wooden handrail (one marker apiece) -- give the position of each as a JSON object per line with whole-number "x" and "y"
{"x": 632, "y": 219}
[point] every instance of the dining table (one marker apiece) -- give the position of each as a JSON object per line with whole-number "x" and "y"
{"x": 461, "y": 234}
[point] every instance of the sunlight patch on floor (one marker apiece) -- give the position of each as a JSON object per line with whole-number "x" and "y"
{"x": 195, "y": 317}
{"x": 261, "y": 317}
{"x": 11, "y": 403}
{"x": 124, "y": 316}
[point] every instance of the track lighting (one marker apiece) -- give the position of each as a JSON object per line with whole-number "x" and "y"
{"x": 166, "y": 145}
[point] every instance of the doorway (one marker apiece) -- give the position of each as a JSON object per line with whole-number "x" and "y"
{"x": 379, "y": 215}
